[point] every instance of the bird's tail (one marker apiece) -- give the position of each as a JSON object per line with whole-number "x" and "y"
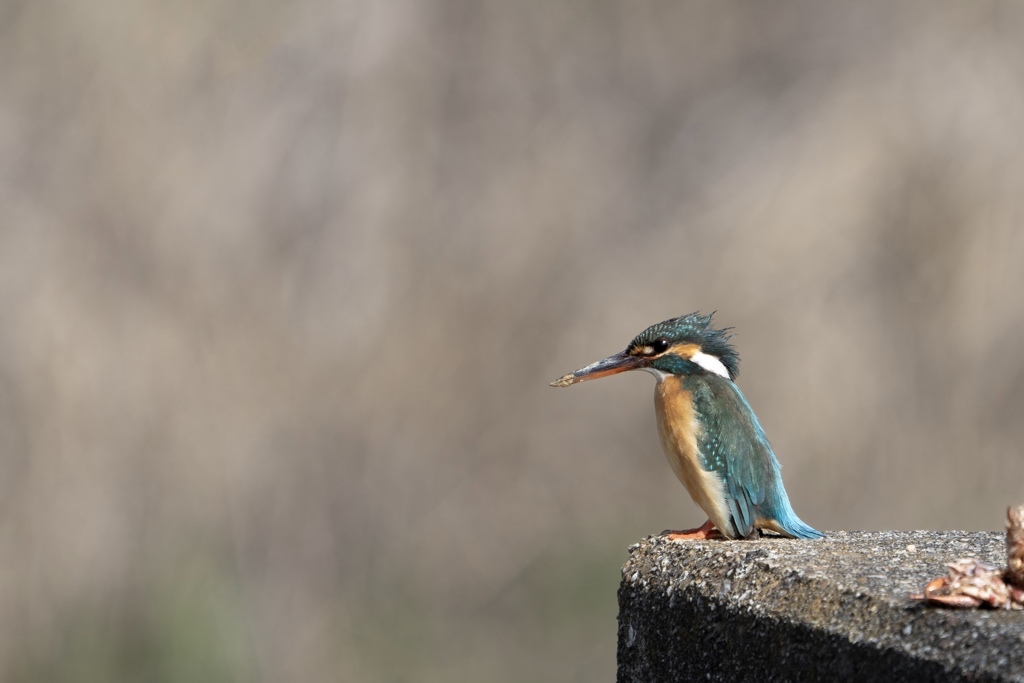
{"x": 791, "y": 525}
{"x": 797, "y": 529}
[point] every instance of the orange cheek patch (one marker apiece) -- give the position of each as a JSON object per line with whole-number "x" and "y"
{"x": 686, "y": 351}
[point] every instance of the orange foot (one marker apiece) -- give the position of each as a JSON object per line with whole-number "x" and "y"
{"x": 706, "y": 531}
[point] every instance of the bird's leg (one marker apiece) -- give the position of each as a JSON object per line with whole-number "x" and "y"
{"x": 705, "y": 531}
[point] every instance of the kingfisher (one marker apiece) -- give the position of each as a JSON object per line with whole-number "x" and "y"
{"x": 709, "y": 432}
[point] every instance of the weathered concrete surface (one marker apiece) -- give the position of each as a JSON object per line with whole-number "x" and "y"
{"x": 834, "y": 609}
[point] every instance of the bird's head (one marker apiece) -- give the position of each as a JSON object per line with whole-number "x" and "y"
{"x": 686, "y": 345}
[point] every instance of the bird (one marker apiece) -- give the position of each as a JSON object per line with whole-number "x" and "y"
{"x": 710, "y": 434}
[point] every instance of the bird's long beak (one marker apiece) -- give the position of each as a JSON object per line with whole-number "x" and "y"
{"x": 612, "y": 365}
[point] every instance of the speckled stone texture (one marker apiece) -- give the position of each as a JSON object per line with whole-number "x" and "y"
{"x": 789, "y": 610}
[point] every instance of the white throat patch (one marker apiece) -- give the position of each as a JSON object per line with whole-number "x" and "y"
{"x": 710, "y": 363}
{"x": 658, "y": 374}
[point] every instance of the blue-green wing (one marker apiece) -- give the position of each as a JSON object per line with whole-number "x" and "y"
{"x": 735, "y": 447}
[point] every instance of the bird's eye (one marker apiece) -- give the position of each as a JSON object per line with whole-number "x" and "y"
{"x": 660, "y": 345}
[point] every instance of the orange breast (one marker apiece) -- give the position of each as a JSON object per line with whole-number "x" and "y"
{"x": 680, "y": 438}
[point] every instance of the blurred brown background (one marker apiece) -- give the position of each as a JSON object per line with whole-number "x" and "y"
{"x": 282, "y": 286}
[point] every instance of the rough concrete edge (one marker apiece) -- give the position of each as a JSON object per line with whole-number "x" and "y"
{"x": 889, "y": 624}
